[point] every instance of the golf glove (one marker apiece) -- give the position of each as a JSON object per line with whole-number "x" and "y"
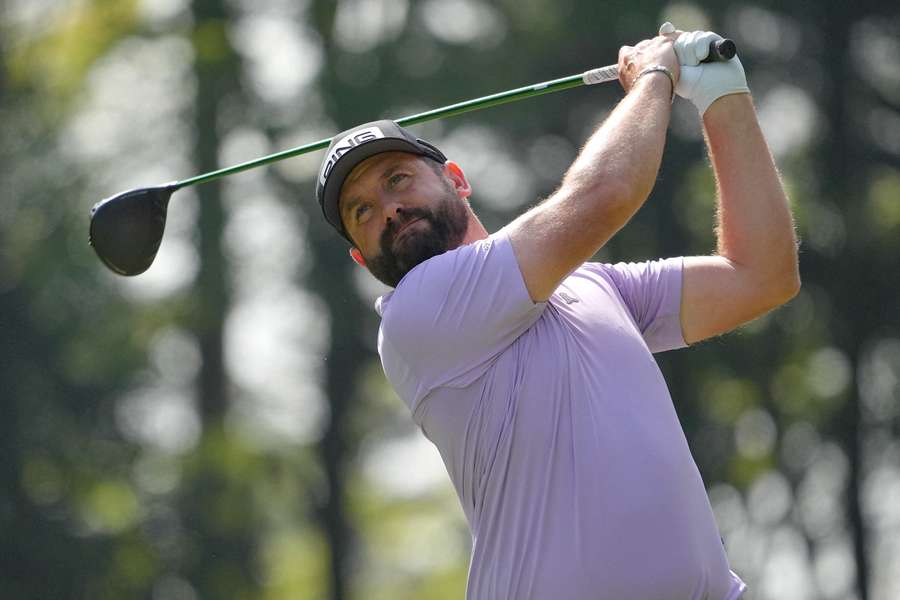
{"x": 704, "y": 83}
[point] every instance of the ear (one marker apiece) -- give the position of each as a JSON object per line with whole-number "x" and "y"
{"x": 357, "y": 257}
{"x": 458, "y": 178}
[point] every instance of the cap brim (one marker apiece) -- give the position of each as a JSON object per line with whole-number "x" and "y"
{"x": 346, "y": 164}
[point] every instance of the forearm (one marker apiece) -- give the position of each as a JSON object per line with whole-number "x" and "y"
{"x": 609, "y": 180}
{"x": 618, "y": 165}
{"x": 611, "y": 177}
{"x": 755, "y": 229}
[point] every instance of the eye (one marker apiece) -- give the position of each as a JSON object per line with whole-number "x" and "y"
{"x": 361, "y": 214}
{"x": 395, "y": 179}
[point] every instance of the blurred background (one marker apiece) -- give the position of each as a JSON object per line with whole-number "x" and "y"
{"x": 219, "y": 427}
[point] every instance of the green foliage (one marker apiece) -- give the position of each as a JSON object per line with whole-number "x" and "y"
{"x": 105, "y": 494}
{"x": 210, "y": 41}
{"x": 883, "y": 210}
{"x": 60, "y": 55}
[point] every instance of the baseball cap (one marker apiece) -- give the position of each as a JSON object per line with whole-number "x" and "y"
{"x": 355, "y": 145}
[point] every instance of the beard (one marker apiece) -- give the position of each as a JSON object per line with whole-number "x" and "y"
{"x": 446, "y": 226}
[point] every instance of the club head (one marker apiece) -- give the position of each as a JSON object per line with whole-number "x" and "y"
{"x": 126, "y": 229}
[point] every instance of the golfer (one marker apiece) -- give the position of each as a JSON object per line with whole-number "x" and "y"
{"x": 531, "y": 369}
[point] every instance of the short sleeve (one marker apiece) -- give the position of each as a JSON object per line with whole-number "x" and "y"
{"x": 652, "y": 293}
{"x": 452, "y": 315}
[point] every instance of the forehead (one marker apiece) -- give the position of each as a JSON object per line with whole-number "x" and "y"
{"x": 372, "y": 163}
{"x": 368, "y": 171}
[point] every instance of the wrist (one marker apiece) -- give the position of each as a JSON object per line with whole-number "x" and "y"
{"x": 730, "y": 110}
{"x": 660, "y": 75}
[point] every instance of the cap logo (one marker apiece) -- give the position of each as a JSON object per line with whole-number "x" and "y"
{"x": 346, "y": 144}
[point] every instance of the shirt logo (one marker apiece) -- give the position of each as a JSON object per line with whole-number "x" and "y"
{"x": 345, "y": 145}
{"x": 567, "y": 298}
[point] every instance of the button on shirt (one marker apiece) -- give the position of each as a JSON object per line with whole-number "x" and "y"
{"x": 556, "y": 426}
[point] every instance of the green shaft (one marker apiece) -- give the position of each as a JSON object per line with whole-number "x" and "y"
{"x": 459, "y": 108}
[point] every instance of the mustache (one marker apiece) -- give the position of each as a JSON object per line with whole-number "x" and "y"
{"x": 412, "y": 214}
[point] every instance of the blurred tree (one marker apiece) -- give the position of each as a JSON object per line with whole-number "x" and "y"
{"x": 866, "y": 282}
{"x": 840, "y": 173}
{"x": 216, "y": 499}
{"x": 780, "y": 416}
{"x": 332, "y": 277}
{"x": 69, "y": 515}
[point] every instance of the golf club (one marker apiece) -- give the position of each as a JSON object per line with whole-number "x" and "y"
{"x": 127, "y": 229}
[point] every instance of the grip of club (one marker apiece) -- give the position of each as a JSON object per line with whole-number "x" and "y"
{"x": 721, "y": 51}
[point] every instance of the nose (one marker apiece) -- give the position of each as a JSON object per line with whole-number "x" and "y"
{"x": 392, "y": 210}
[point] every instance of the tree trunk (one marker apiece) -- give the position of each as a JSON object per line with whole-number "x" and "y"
{"x": 841, "y": 178}
{"x": 217, "y": 507}
{"x": 332, "y": 277}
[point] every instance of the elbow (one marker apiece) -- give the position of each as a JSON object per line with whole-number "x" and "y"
{"x": 791, "y": 284}
{"x": 783, "y": 287}
{"x": 790, "y": 288}
{"x": 772, "y": 294}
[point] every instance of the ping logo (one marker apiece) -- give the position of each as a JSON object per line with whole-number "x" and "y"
{"x": 346, "y": 144}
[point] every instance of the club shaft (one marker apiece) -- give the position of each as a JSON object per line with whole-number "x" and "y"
{"x": 459, "y": 108}
{"x": 529, "y": 91}
{"x": 720, "y": 50}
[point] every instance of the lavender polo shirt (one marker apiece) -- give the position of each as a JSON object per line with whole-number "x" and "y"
{"x": 556, "y": 426}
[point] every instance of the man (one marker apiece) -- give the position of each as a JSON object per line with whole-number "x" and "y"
{"x": 531, "y": 369}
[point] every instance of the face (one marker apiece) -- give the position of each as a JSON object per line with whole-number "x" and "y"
{"x": 400, "y": 211}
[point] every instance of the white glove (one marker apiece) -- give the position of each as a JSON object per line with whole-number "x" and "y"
{"x": 704, "y": 83}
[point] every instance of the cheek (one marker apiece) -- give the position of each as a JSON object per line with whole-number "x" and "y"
{"x": 370, "y": 235}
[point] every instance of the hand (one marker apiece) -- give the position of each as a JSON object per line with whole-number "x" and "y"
{"x": 648, "y": 53}
{"x": 703, "y": 83}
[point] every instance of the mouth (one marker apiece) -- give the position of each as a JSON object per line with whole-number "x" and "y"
{"x": 405, "y": 227}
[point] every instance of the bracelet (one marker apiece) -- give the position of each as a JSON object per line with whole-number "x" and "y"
{"x": 658, "y": 69}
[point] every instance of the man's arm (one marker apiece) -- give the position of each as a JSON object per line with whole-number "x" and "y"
{"x": 607, "y": 183}
{"x": 756, "y": 266}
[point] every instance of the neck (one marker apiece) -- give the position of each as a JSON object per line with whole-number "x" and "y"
{"x": 475, "y": 230}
